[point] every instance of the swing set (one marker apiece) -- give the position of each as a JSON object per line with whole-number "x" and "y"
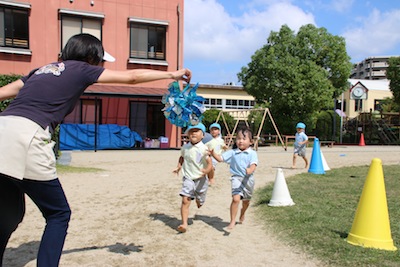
{"x": 242, "y": 115}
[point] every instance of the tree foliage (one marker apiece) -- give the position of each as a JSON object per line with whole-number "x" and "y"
{"x": 298, "y": 74}
{"x": 393, "y": 74}
{"x": 388, "y": 104}
{"x": 4, "y": 80}
{"x": 324, "y": 127}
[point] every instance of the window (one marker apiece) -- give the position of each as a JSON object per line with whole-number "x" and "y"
{"x": 339, "y": 105}
{"x": 378, "y": 104}
{"x": 14, "y": 28}
{"x": 358, "y": 105}
{"x": 228, "y": 103}
{"x": 86, "y": 111}
{"x": 75, "y": 22}
{"x": 146, "y": 119}
{"x": 147, "y": 39}
{"x": 213, "y": 103}
{"x": 89, "y": 114}
{"x": 239, "y": 104}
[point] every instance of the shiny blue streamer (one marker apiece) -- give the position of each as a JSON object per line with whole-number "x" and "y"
{"x": 183, "y": 108}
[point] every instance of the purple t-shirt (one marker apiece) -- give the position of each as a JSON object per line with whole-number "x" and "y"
{"x": 51, "y": 92}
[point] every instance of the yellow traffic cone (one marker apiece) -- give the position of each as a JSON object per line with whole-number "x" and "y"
{"x": 371, "y": 226}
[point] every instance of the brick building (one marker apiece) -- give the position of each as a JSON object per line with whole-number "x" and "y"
{"x": 139, "y": 34}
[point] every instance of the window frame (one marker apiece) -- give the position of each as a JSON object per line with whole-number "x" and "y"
{"x": 228, "y": 104}
{"x": 82, "y": 16}
{"x": 157, "y": 27}
{"x": 378, "y": 104}
{"x": 358, "y": 105}
{"x": 15, "y": 7}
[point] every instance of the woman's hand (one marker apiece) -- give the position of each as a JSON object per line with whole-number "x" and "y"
{"x": 182, "y": 74}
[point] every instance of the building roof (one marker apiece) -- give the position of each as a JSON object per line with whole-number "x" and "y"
{"x": 379, "y": 85}
{"x": 117, "y": 90}
{"x": 124, "y": 91}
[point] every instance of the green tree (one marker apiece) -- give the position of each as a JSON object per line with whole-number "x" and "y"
{"x": 393, "y": 74}
{"x": 388, "y": 104}
{"x": 298, "y": 74}
{"x": 255, "y": 118}
{"x": 324, "y": 127}
{"x": 4, "y": 80}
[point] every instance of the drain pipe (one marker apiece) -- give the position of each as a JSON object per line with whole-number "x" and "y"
{"x": 178, "y": 10}
{"x": 178, "y": 46}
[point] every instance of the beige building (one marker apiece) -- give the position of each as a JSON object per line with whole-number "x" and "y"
{"x": 364, "y": 96}
{"x": 225, "y": 97}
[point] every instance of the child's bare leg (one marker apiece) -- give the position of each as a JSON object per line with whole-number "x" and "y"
{"x": 198, "y": 203}
{"x": 210, "y": 175}
{"x": 184, "y": 213}
{"x": 234, "y": 209}
{"x": 306, "y": 162}
{"x": 245, "y": 205}
{"x": 294, "y": 161}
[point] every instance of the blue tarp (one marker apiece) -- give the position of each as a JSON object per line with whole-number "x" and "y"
{"x": 109, "y": 136}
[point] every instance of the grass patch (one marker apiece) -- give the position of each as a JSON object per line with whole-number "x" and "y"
{"x": 323, "y": 215}
{"x": 72, "y": 169}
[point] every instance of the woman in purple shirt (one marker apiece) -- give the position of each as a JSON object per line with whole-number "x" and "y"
{"x": 27, "y": 161}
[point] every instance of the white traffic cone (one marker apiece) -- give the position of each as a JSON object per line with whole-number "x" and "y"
{"x": 324, "y": 164}
{"x": 280, "y": 193}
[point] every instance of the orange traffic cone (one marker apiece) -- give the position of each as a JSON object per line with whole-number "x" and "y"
{"x": 362, "y": 143}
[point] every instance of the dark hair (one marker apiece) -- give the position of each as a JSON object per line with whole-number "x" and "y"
{"x": 245, "y": 131}
{"x": 83, "y": 47}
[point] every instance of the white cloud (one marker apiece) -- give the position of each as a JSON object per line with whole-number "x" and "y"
{"x": 342, "y": 5}
{"x": 377, "y": 35}
{"x": 212, "y": 34}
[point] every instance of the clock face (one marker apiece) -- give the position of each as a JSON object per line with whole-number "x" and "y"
{"x": 358, "y": 92}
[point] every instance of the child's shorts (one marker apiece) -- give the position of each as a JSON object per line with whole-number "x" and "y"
{"x": 301, "y": 151}
{"x": 243, "y": 186}
{"x": 195, "y": 189}
{"x": 214, "y": 163}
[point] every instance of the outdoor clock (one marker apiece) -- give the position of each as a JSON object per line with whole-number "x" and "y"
{"x": 358, "y": 92}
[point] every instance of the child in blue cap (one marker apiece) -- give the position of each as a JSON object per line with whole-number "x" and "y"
{"x": 218, "y": 145}
{"x": 301, "y": 140}
{"x": 195, "y": 163}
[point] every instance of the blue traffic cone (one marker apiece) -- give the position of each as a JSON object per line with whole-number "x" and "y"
{"x": 316, "y": 165}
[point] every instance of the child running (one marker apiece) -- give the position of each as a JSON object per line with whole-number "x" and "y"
{"x": 218, "y": 145}
{"x": 243, "y": 161}
{"x": 300, "y": 143}
{"x": 195, "y": 163}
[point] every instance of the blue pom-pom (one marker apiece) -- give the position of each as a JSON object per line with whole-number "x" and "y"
{"x": 183, "y": 108}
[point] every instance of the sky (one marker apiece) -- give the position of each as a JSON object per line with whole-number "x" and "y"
{"x": 220, "y": 36}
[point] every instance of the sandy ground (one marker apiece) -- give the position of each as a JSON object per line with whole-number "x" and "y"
{"x": 127, "y": 214}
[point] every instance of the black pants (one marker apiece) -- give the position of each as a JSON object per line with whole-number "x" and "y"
{"x": 49, "y": 197}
